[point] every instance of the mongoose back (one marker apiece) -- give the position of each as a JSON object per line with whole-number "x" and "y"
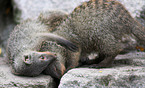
{"x": 95, "y": 26}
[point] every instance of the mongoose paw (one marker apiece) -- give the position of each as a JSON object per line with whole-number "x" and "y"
{"x": 84, "y": 60}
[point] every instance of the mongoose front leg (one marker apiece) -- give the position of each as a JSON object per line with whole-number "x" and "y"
{"x": 58, "y": 68}
{"x": 106, "y": 59}
{"x": 58, "y": 39}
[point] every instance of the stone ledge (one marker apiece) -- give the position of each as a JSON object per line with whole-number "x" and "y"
{"x": 128, "y": 71}
{"x": 8, "y": 80}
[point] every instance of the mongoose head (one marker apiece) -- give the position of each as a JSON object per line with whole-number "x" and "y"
{"x": 32, "y": 63}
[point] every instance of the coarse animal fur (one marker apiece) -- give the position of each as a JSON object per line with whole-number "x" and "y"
{"x": 95, "y": 26}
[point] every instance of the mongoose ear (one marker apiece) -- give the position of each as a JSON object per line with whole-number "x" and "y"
{"x": 59, "y": 40}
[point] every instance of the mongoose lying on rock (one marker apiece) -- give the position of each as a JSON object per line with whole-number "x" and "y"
{"x": 95, "y": 26}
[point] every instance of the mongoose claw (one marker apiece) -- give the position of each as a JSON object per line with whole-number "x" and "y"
{"x": 59, "y": 40}
{"x": 83, "y": 60}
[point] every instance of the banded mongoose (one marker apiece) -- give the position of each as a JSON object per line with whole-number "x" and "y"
{"x": 95, "y": 26}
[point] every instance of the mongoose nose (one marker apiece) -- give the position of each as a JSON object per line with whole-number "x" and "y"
{"x": 27, "y": 60}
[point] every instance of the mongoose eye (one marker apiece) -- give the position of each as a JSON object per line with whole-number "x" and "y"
{"x": 43, "y": 57}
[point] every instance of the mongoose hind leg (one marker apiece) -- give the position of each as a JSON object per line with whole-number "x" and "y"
{"x": 60, "y": 40}
{"x": 103, "y": 61}
{"x": 109, "y": 48}
{"x": 106, "y": 59}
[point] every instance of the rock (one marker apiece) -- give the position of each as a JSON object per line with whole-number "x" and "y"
{"x": 123, "y": 77}
{"x": 136, "y": 8}
{"x": 128, "y": 72}
{"x": 6, "y": 23}
{"x": 8, "y": 80}
{"x": 25, "y": 9}
{"x": 141, "y": 19}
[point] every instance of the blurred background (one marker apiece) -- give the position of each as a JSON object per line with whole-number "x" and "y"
{"x": 13, "y": 12}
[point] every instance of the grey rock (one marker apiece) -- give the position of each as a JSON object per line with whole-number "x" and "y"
{"x": 31, "y": 8}
{"x": 24, "y": 9}
{"x": 8, "y": 80}
{"x": 128, "y": 71}
{"x": 6, "y": 23}
{"x": 141, "y": 19}
{"x": 134, "y": 6}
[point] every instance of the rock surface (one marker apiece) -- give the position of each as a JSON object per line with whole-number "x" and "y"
{"x": 31, "y": 8}
{"x": 6, "y": 23}
{"x": 134, "y": 6}
{"x": 24, "y": 9}
{"x": 8, "y": 80}
{"x": 128, "y": 72}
